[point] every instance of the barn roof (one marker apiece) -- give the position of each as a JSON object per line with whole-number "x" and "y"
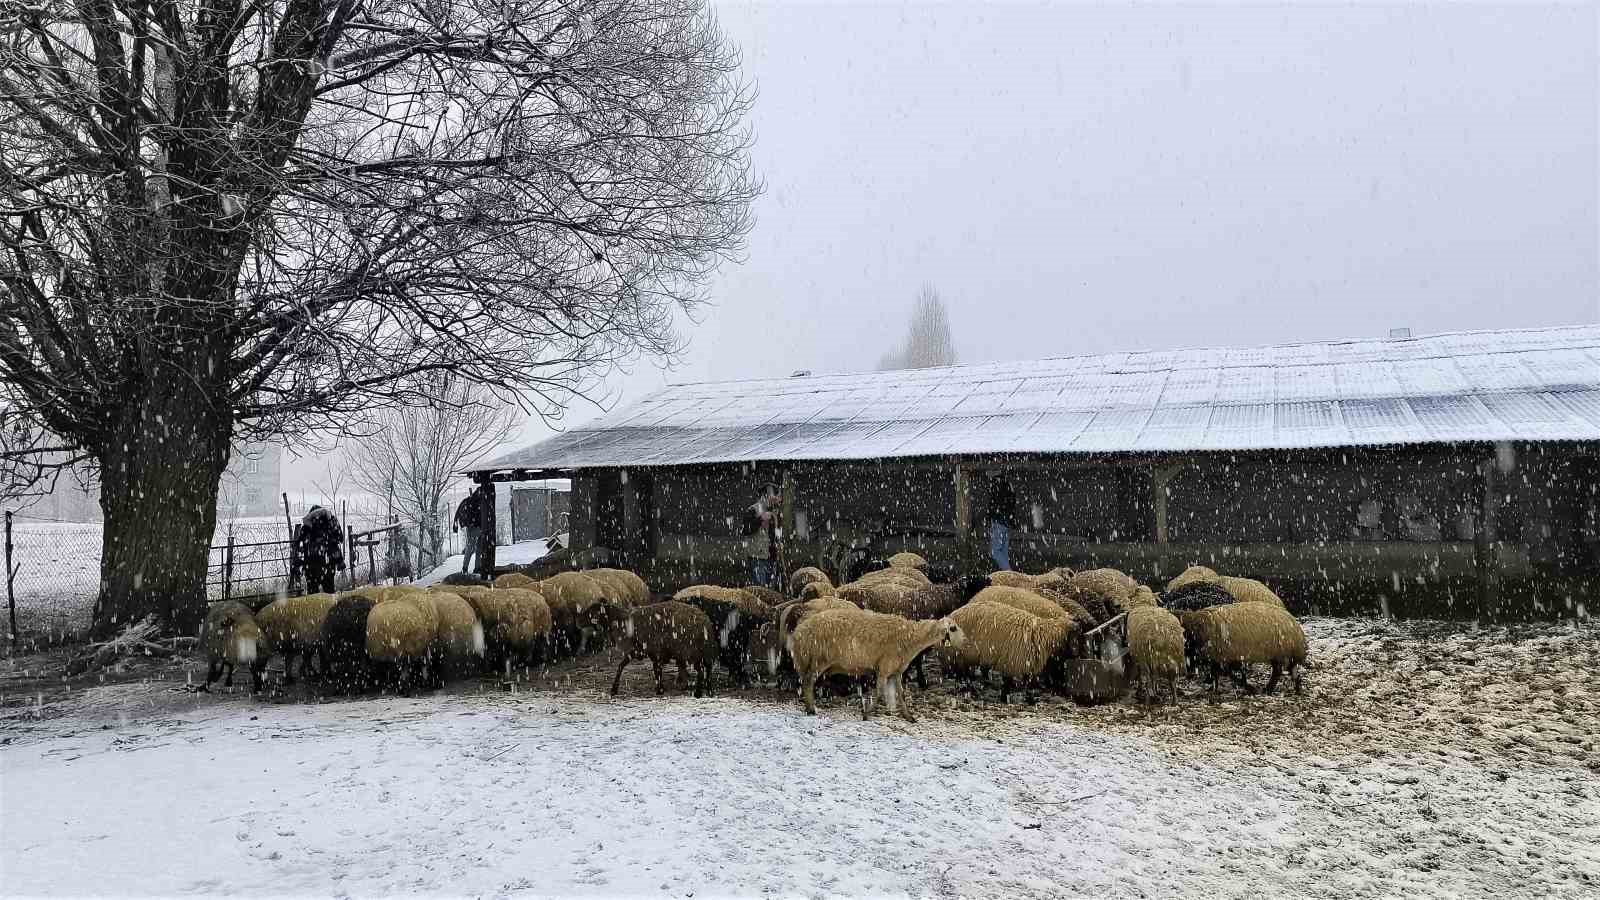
{"x": 1541, "y": 384}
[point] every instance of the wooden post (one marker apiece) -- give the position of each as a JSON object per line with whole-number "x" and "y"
{"x": 349, "y": 549}
{"x": 486, "y": 529}
{"x": 1484, "y": 543}
{"x": 1160, "y": 487}
{"x": 963, "y": 523}
{"x": 786, "y": 522}
{"x": 11, "y": 577}
{"x": 227, "y": 567}
{"x": 287, "y": 518}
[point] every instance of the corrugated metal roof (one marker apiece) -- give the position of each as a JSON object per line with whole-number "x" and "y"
{"x": 1539, "y": 384}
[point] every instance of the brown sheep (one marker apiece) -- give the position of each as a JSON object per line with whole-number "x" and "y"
{"x": 856, "y": 643}
{"x": 623, "y": 588}
{"x": 1155, "y": 648}
{"x": 1017, "y": 644}
{"x": 666, "y": 631}
{"x": 735, "y": 613}
{"x": 905, "y": 559}
{"x": 513, "y": 580}
{"x": 232, "y": 638}
{"x": 580, "y": 609}
{"x": 517, "y": 625}
{"x": 293, "y": 625}
{"x": 817, "y": 589}
{"x": 805, "y": 575}
{"x": 1249, "y": 590}
{"x": 1236, "y": 635}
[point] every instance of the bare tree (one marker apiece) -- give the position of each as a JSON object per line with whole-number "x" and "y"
{"x": 221, "y": 221}
{"x": 928, "y": 342}
{"x": 335, "y": 471}
{"x": 414, "y": 455}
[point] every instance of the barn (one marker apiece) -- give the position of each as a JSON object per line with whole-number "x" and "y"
{"x": 1452, "y": 474}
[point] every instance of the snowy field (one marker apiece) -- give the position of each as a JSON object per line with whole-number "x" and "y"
{"x": 1424, "y": 760}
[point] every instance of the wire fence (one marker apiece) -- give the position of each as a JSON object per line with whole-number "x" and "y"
{"x": 55, "y": 565}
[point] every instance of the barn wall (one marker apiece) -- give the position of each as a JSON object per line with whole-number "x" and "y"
{"x": 1294, "y": 519}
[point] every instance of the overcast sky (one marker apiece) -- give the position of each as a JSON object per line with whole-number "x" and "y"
{"x": 1079, "y": 179}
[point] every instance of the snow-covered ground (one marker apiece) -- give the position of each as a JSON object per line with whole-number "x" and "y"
{"x": 518, "y": 554}
{"x": 1424, "y": 760}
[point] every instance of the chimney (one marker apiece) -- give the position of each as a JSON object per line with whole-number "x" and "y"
{"x": 1399, "y": 334}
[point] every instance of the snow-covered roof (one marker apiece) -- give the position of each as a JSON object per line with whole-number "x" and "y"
{"x": 1541, "y": 384}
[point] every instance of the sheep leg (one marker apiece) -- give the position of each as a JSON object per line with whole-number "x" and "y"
{"x": 213, "y": 672}
{"x": 257, "y": 671}
{"x": 1241, "y": 676}
{"x": 1007, "y": 687}
{"x": 659, "y": 666}
{"x": 1277, "y": 672}
{"x": 1294, "y": 673}
{"x": 228, "y": 681}
{"x": 898, "y": 683}
{"x": 683, "y": 675}
{"x": 808, "y": 688}
{"x": 288, "y": 666}
{"x": 616, "y": 681}
{"x": 922, "y": 675}
{"x": 1216, "y": 675}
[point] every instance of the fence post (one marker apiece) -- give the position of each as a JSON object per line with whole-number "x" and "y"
{"x": 227, "y": 567}
{"x": 350, "y": 546}
{"x": 11, "y": 575}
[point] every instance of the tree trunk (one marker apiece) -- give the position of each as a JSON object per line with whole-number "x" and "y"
{"x": 159, "y": 476}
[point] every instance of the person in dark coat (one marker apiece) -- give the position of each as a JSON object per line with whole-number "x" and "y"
{"x": 321, "y": 549}
{"x": 1002, "y": 518}
{"x": 469, "y": 518}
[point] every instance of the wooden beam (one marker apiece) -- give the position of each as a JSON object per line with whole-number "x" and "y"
{"x": 1484, "y": 543}
{"x": 788, "y": 505}
{"x": 1160, "y": 486}
{"x": 963, "y": 523}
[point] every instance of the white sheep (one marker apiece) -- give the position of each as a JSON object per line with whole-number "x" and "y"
{"x": 857, "y": 643}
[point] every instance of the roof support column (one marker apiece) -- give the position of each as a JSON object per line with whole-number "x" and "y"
{"x": 1161, "y": 489}
{"x": 966, "y": 548}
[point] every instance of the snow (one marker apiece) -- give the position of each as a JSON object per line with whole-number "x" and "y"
{"x": 1424, "y": 760}
{"x": 519, "y": 554}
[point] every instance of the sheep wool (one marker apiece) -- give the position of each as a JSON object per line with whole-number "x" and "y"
{"x": 1196, "y": 595}
{"x": 667, "y": 631}
{"x": 401, "y": 629}
{"x": 799, "y": 578}
{"x": 931, "y": 601}
{"x": 232, "y": 638}
{"x": 856, "y": 643}
{"x": 293, "y": 625}
{"x": 1023, "y": 599}
{"x": 734, "y": 613}
{"x": 633, "y": 591}
{"x": 459, "y": 633}
{"x": 817, "y": 589}
{"x": 1249, "y": 590}
{"x": 905, "y": 559}
{"x": 1155, "y": 646}
{"x": 1017, "y": 644}
{"x": 1240, "y": 634}
{"x": 1008, "y": 578}
{"x": 1190, "y": 576}
{"x": 908, "y": 577}
{"x": 1142, "y": 596}
{"x": 513, "y": 580}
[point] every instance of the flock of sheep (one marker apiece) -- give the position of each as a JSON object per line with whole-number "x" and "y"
{"x": 1032, "y": 630}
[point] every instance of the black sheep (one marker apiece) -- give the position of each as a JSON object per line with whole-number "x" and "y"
{"x": 1195, "y": 596}
{"x": 344, "y": 641}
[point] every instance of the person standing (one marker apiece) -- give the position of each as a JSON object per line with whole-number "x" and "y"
{"x": 761, "y": 537}
{"x": 469, "y": 519}
{"x": 1002, "y": 517}
{"x": 320, "y": 545}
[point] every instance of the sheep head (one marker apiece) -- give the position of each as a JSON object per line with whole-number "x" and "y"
{"x": 951, "y": 636}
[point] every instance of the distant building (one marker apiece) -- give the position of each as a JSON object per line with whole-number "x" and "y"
{"x": 249, "y": 488}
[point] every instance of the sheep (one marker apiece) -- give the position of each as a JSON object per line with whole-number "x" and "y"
{"x": 401, "y": 633}
{"x": 763, "y": 646}
{"x": 633, "y": 589}
{"x": 344, "y": 642}
{"x": 905, "y": 559}
{"x": 1024, "y": 599}
{"x": 293, "y": 625}
{"x": 1155, "y": 648}
{"x": 735, "y": 612}
{"x": 817, "y": 589}
{"x": 459, "y": 634}
{"x": 1017, "y": 644}
{"x": 856, "y": 643}
{"x": 513, "y": 580}
{"x": 1106, "y": 582}
{"x": 932, "y": 601}
{"x": 666, "y": 631}
{"x": 1196, "y": 595}
{"x": 579, "y": 607}
{"x": 1235, "y": 635}
{"x": 1191, "y": 575}
{"x": 908, "y": 577}
{"x": 789, "y": 616}
{"x": 1142, "y": 596}
{"x": 231, "y": 637}
{"x": 517, "y": 624}
{"x": 799, "y": 578}
{"x": 765, "y": 594}
{"x": 1008, "y": 578}
{"x": 1249, "y": 590}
